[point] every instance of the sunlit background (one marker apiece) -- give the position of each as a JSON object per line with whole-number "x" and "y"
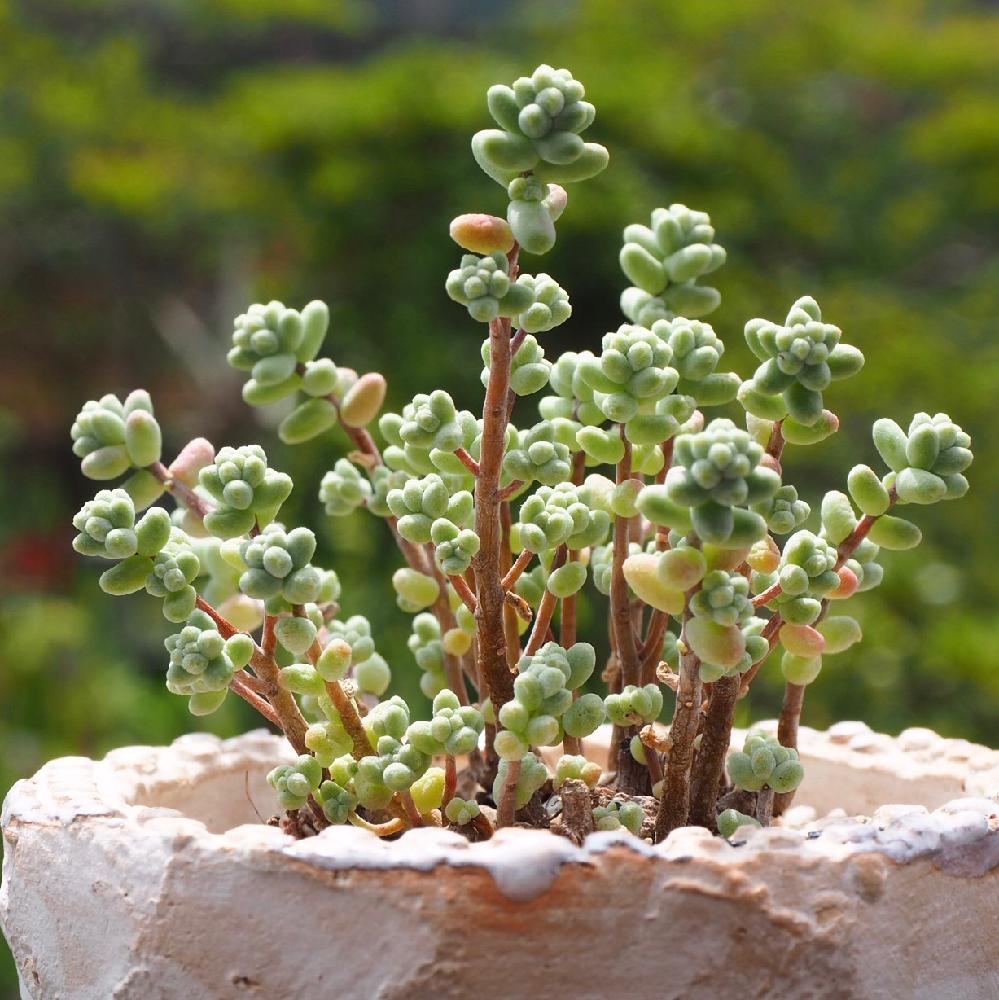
{"x": 163, "y": 163}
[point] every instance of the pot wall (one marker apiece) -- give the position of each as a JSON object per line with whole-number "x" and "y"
{"x": 149, "y": 875}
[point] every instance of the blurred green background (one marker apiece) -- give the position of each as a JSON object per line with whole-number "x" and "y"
{"x": 165, "y": 162}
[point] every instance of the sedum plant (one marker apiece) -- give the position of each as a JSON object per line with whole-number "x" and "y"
{"x": 643, "y": 472}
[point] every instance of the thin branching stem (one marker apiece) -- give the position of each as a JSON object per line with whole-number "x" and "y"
{"x": 344, "y": 704}
{"x": 675, "y": 804}
{"x": 652, "y": 647}
{"x": 493, "y": 668}
{"x": 508, "y": 796}
{"x": 240, "y": 685}
{"x": 631, "y": 776}
{"x": 510, "y": 626}
{"x": 715, "y": 741}
{"x": 450, "y": 778}
{"x": 765, "y": 806}
{"x": 415, "y": 817}
{"x": 466, "y": 460}
{"x": 625, "y": 645}
{"x": 463, "y": 590}
{"x": 181, "y": 492}
{"x": 286, "y": 710}
{"x": 517, "y": 569}
{"x": 511, "y": 489}
{"x": 771, "y": 633}
{"x": 546, "y": 609}
{"x": 386, "y": 829}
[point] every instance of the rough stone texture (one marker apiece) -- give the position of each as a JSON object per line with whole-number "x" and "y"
{"x": 149, "y": 875}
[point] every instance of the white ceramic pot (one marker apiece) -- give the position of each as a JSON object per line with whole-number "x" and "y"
{"x": 150, "y": 875}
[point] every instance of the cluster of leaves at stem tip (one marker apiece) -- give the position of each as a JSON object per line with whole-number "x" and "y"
{"x": 623, "y": 483}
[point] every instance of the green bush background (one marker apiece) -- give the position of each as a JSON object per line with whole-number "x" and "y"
{"x": 163, "y": 164}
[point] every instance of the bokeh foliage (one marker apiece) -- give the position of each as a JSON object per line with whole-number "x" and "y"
{"x": 164, "y": 164}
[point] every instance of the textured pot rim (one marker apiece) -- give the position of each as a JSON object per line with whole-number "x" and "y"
{"x": 960, "y": 837}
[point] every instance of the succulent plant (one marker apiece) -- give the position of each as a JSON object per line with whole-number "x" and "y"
{"x": 618, "y": 814}
{"x": 538, "y": 457}
{"x": 483, "y": 285}
{"x": 453, "y": 729}
{"x": 501, "y": 524}
{"x": 344, "y": 489}
{"x": 540, "y": 117}
{"x": 799, "y": 360}
{"x": 200, "y": 665}
{"x": 576, "y": 768}
{"x": 763, "y": 762}
{"x": 664, "y": 260}
{"x": 550, "y": 307}
{"x": 717, "y": 471}
{"x": 111, "y": 436}
{"x": 246, "y": 491}
{"x": 528, "y": 369}
{"x": 278, "y": 567}
{"x": 927, "y": 463}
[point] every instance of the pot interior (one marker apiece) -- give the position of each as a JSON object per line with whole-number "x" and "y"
{"x": 223, "y": 796}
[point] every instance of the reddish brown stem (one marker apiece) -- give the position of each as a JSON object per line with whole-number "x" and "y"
{"x": 225, "y": 627}
{"x": 181, "y": 492}
{"x": 787, "y": 732}
{"x": 675, "y": 804}
{"x": 771, "y": 633}
{"x": 667, "y": 449}
{"x": 286, "y": 714}
{"x": 292, "y": 721}
{"x": 512, "y": 488}
{"x": 846, "y": 548}
{"x": 344, "y": 705}
{"x": 466, "y": 460}
{"x": 464, "y": 592}
{"x": 517, "y": 569}
{"x": 567, "y": 620}
{"x": 441, "y": 609}
{"x": 775, "y": 446}
{"x": 240, "y": 686}
{"x": 653, "y": 645}
{"x": 767, "y": 595}
{"x": 625, "y": 645}
{"x": 450, "y": 778}
{"x": 631, "y": 777}
{"x": 765, "y": 806}
{"x": 510, "y": 625}
{"x": 715, "y": 741}
{"x": 268, "y": 641}
{"x": 508, "y": 796}
{"x": 255, "y": 684}
{"x": 493, "y": 669}
{"x": 790, "y": 713}
{"x": 655, "y": 765}
{"x": 546, "y": 609}
{"x": 411, "y": 811}
{"x": 542, "y": 621}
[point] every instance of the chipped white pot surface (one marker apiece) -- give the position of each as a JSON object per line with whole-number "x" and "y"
{"x": 149, "y": 875}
